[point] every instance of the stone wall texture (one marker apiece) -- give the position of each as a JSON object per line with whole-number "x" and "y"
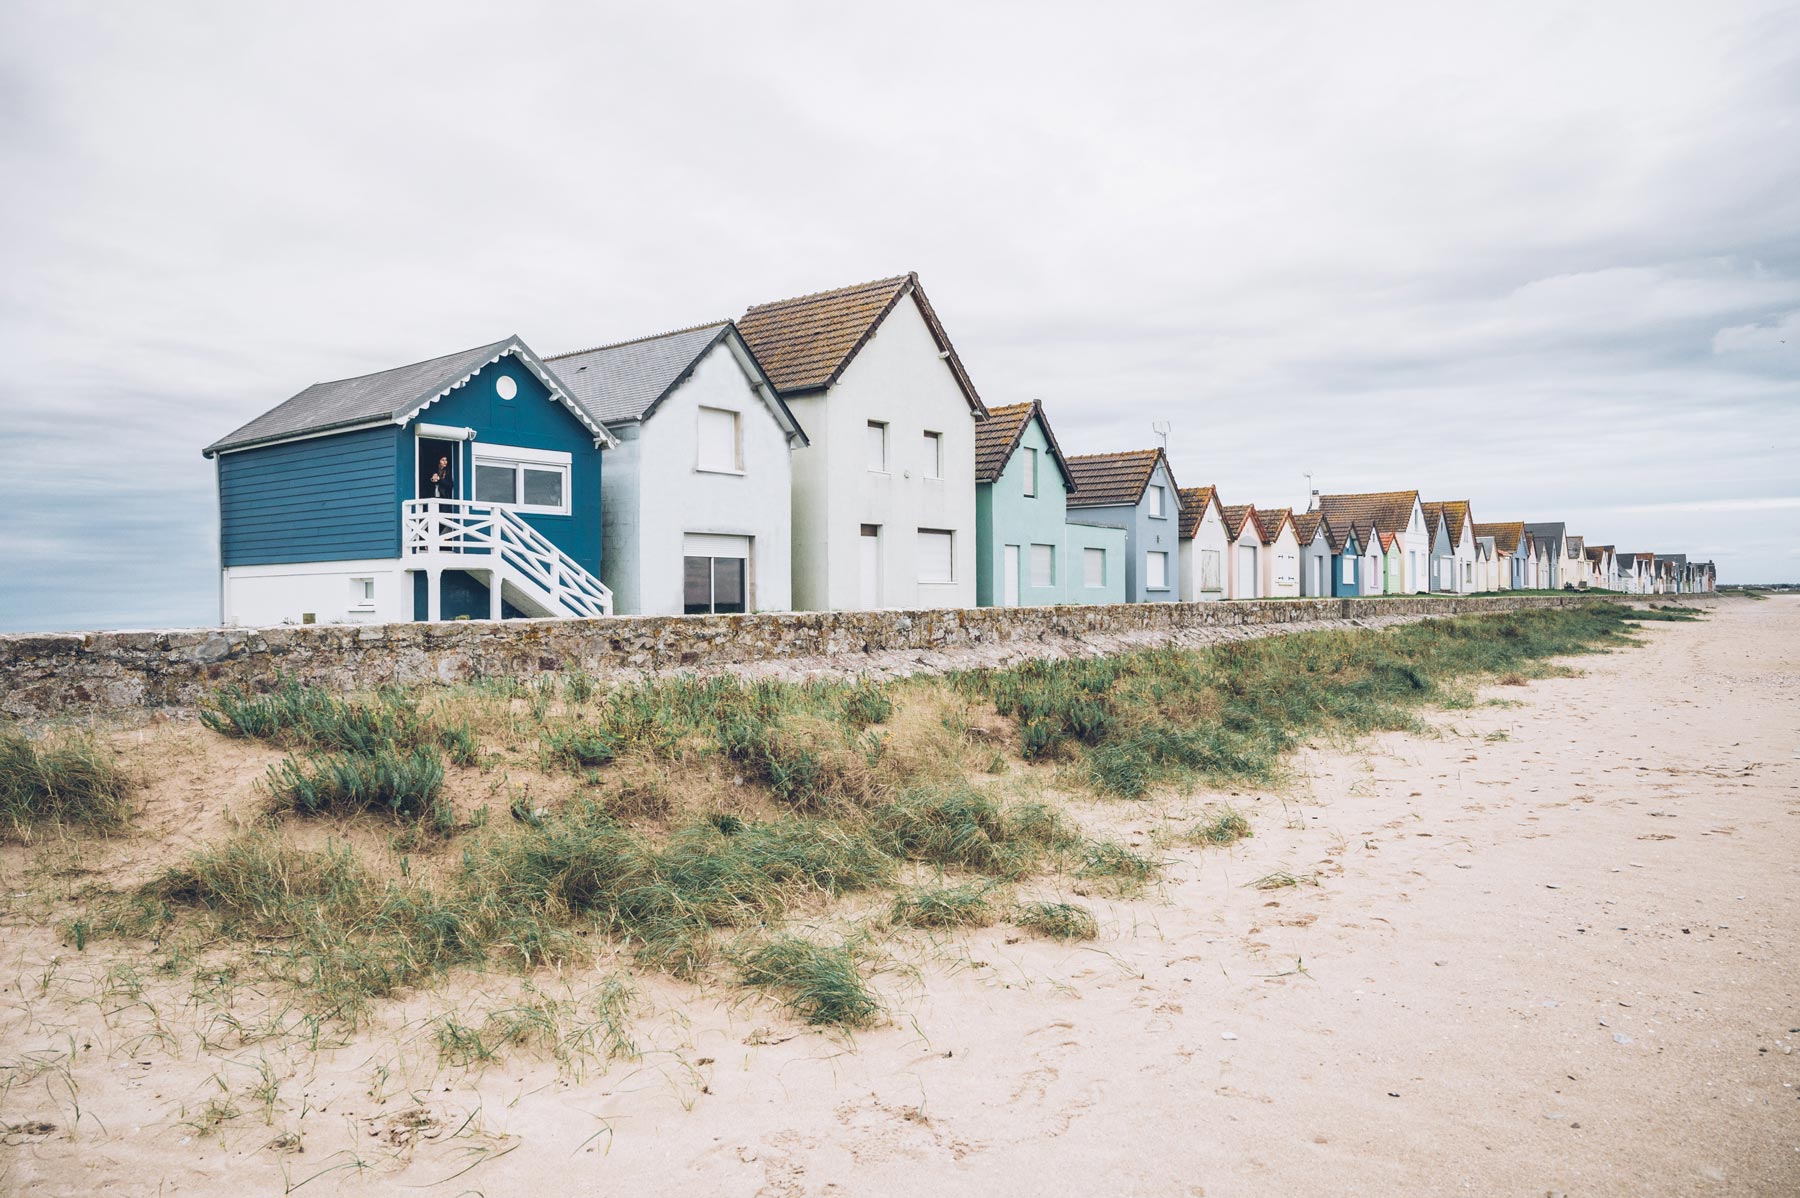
{"x": 49, "y": 675}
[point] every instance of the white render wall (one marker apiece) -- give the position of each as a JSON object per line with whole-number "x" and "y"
{"x": 653, "y": 494}
{"x": 896, "y": 377}
{"x": 264, "y": 596}
{"x": 1209, "y": 535}
{"x": 1281, "y": 566}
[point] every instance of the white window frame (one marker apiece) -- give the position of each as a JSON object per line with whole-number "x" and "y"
{"x": 1347, "y": 574}
{"x": 934, "y": 454}
{"x": 522, "y": 459}
{"x": 1049, "y": 552}
{"x": 1155, "y": 555}
{"x": 949, "y": 534}
{"x": 1031, "y": 472}
{"x": 1159, "y": 502}
{"x": 880, "y": 426}
{"x": 362, "y": 593}
{"x": 737, "y": 440}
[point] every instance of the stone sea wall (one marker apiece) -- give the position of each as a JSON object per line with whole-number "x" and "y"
{"x": 48, "y": 675}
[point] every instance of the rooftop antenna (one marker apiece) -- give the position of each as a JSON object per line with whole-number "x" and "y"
{"x": 1312, "y": 493}
{"x": 1161, "y": 429}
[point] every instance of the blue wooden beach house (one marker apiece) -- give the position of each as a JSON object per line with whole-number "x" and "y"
{"x": 463, "y": 486}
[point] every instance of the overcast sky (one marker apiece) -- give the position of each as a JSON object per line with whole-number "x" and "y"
{"x": 1546, "y": 258}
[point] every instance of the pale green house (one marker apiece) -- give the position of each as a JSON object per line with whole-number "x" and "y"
{"x": 1027, "y": 550}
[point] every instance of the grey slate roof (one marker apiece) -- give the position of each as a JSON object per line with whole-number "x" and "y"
{"x": 1546, "y": 532}
{"x": 625, "y": 380}
{"x": 367, "y": 398}
{"x": 628, "y": 379}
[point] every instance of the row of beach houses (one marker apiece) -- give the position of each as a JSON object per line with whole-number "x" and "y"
{"x": 828, "y": 452}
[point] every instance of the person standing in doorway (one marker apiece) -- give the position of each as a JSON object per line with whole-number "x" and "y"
{"x": 443, "y": 479}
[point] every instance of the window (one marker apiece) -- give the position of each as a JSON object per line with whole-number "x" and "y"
{"x": 1156, "y": 571}
{"x": 715, "y": 573}
{"x": 718, "y": 441}
{"x": 505, "y": 387}
{"x": 937, "y": 555}
{"x": 1031, "y": 456}
{"x": 1043, "y": 565}
{"x": 1156, "y": 501}
{"x": 531, "y": 480}
{"x": 1211, "y": 576}
{"x": 878, "y": 447}
{"x": 934, "y": 455}
{"x": 1349, "y": 571}
{"x": 362, "y": 594}
{"x": 1093, "y": 567}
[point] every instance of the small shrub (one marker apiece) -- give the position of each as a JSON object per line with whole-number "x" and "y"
{"x": 965, "y": 906}
{"x": 820, "y": 984}
{"x": 1107, "y": 859}
{"x": 68, "y": 781}
{"x": 1059, "y": 921}
{"x": 297, "y": 716}
{"x": 866, "y": 703}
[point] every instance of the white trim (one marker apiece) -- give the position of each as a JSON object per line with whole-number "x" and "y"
{"x": 378, "y": 422}
{"x": 602, "y": 438}
{"x": 519, "y": 453}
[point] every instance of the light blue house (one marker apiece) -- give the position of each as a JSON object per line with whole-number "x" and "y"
{"x": 463, "y": 486}
{"x": 1027, "y": 551}
{"x": 1135, "y": 489}
{"x": 1333, "y": 561}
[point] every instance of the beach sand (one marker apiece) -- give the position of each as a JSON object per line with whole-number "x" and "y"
{"x": 1552, "y": 949}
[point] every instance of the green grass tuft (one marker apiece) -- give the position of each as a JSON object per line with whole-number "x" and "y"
{"x": 818, "y": 983}
{"x": 67, "y": 781}
{"x": 1222, "y": 826}
{"x": 1059, "y": 921}
{"x": 964, "y": 906}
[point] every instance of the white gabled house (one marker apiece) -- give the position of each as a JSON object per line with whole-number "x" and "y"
{"x": 883, "y": 504}
{"x": 1205, "y": 545}
{"x": 1243, "y": 564}
{"x": 697, "y": 495}
{"x": 1281, "y": 553}
{"x": 1454, "y": 573}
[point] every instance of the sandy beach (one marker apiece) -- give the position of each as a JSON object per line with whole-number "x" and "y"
{"x": 1553, "y": 948}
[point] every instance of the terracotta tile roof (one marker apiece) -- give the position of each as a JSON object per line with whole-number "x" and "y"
{"x": 1306, "y": 527}
{"x": 1114, "y": 479}
{"x": 805, "y": 343}
{"x": 1270, "y": 520}
{"x": 1434, "y": 516}
{"x": 997, "y": 437}
{"x": 1388, "y": 511}
{"x": 1507, "y": 537}
{"x": 1235, "y": 518}
{"x": 1455, "y": 514}
{"x": 1194, "y": 501}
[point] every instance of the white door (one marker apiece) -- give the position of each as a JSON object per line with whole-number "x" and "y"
{"x": 1318, "y": 576}
{"x": 1246, "y": 571}
{"x": 1009, "y": 597}
{"x": 871, "y": 566}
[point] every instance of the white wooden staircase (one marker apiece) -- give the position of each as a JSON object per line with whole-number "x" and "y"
{"x": 485, "y": 538}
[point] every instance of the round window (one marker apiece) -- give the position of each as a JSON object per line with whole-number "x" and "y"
{"x": 505, "y": 388}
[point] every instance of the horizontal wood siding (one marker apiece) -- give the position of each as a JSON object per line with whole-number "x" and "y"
{"x": 326, "y": 499}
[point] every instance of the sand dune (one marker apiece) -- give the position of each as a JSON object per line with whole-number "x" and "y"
{"x": 1554, "y": 948}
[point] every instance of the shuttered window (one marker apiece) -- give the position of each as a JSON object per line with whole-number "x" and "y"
{"x": 1043, "y": 565}
{"x": 1210, "y": 573}
{"x": 877, "y": 447}
{"x": 1156, "y": 571}
{"x": 1156, "y": 500}
{"x": 1031, "y": 456}
{"x": 1093, "y": 567}
{"x": 934, "y": 455}
{"x": 718, "y": 438}
{"x": 937, "y": 555}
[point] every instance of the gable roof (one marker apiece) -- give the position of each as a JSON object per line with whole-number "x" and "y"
{"x": 1455, "y": 515}
{"x": 1507, "y": 536}
{"x": 1115, "y": 479}
{"x": 998, "y": 437}
{"x": 1236, "y": 517}
{"x": 1388, "y": 511}
{"x": 628, "y": 380}
{"x": 1306, "y": 527}
{"x": 1194, "y": 502}
{"x": 1270, "y": 519}
{"x": 1547, "y": 532}
{"x": 807, "y": 342}
{"x": 395, "y": 396}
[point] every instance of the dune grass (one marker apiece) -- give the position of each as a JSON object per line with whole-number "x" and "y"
{"x": 841, "y": 789}
{"x": 63, "y": 781}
